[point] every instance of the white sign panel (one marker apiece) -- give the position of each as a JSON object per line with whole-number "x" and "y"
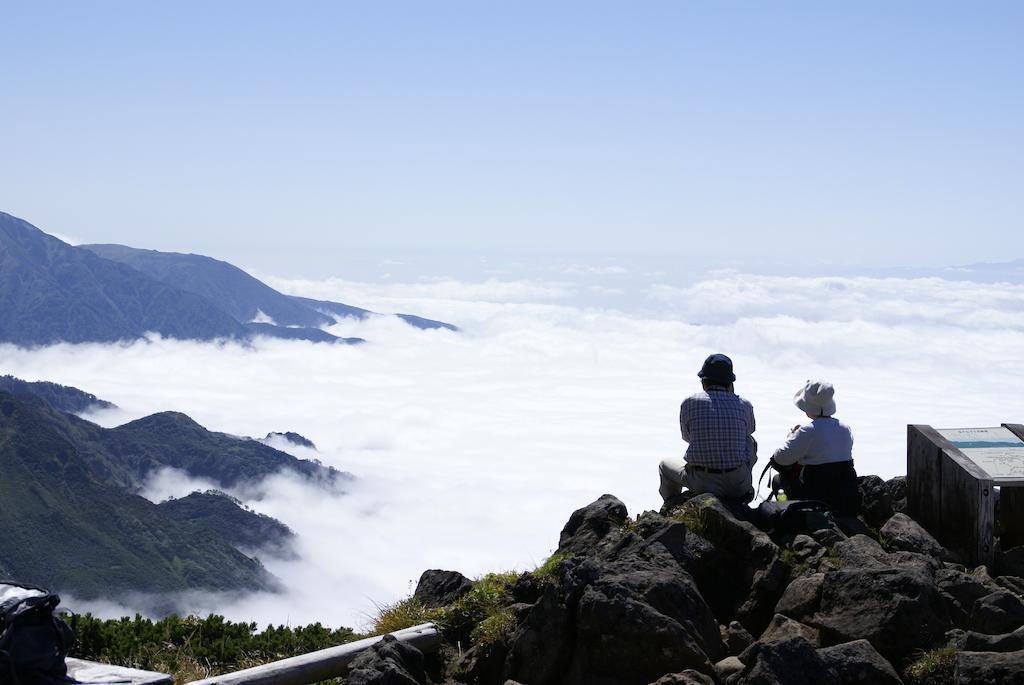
{"x": 997, "y": 450}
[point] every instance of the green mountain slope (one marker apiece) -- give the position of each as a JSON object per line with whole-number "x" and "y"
{"x": 125, "y": 456}
{"x": 62, "y": 527}
{"x": 223, "y": 514}
{"x": 62, "y": 397}
{"x": 239, "y": 294}
{"x": 231, "y": 289}
{"x": 51, "y": 291}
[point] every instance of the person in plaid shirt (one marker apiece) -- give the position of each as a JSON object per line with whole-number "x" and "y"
{"x": 718, "y": 424}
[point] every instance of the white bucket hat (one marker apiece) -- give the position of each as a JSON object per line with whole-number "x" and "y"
{"x": 815, "y": 398}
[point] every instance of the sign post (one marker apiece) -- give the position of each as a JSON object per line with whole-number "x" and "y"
{"x": 951, "y": 478}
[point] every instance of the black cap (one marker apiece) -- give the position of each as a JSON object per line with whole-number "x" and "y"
{"x": 717, "y": 369}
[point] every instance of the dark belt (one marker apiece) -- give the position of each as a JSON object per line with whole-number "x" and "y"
{"x": 705, "y": 469}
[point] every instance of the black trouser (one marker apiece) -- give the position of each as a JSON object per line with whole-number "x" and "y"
{"x": 834, "y": 484}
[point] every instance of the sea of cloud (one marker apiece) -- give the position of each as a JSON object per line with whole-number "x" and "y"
{"x": 471, "y": 449}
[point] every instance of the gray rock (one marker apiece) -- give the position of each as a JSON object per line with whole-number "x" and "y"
{"x": 898, "y": 491}
{"x": 861, "y": 551}
{"x": 1012, "y": 583}
{"x": 740, "y": 572}
{"x": 858, "y": 662}
{"x": 1011, "y": 562}
{"x": 641, "y": 617}
{"x": 960, "y": 590}
{"x": 783, "y": 628}
{"x": 542, "y": 646}
{"x": 437, "y": 588}
{"x": 588, "y": 526}
{"x": 827, "y": 537}
{"x": 997, "y": 613}
{"x": 687, "y": 677}
{"x": 790, "y": 662}
{"x": 980, "y": 642}
{"x": 654, "y": 527}
{"x": 627, "y": 612}
{"x": 876, "y": 500}
{"x": 802, "y": 598}
{"x": 389, "y": 662}
{"x": 727, "y": 667}
{"x": 984, "y": 668}
{"x": 737, "y": 638}
{"x": 806, "y": 550}
{"x": 903, "y": 533}
{"x": 895, "y": 608}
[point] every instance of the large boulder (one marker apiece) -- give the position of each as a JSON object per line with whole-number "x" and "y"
{"x": 389, "y": 662}
{"x": 859, "y": 663}
{"x": 543, "y": 644}
{"x": 1014, "y": 584}
{"x": 589, "y": 525}
{"x": 623, "y": 610}
{"x": 972, "y": 641}
{"x": 782, "y": 628}
{"x": 960, "y": 590}
{"x": 737, "y": 638}
{"x": 895, "y": 607}
{"x": 802, "y": 597}
{"x": 903, "y": 533}
{"x": 987, "y": 668}
{"x": 639, "y": 617}
{"x": 790, "y": 662}
{"x": 1011, "y": 562}
{"x": 876, "y": 500}
{"x": 997, "y": 613}
{"x": 740, "y": 570}
{"x": 898, "y": 489}
{"x": 437, "y": 588}
{"x": 654, "y": 527}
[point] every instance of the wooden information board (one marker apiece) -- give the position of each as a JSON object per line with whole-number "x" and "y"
{"x": 952, "y": 476}
{"x": 997, "y": 450}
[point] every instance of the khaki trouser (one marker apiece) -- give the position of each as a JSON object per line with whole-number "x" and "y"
{"x": 675, "y": 475}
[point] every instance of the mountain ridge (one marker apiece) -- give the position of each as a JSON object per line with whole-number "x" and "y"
{"x": 65, "y": 528}
{"x": 53, "y": 292}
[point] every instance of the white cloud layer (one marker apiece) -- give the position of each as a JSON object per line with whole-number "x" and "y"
{"x": 472, "y": 449}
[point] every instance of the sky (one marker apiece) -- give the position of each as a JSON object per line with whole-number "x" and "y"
{"x": 287, "y": 137}
{"x": 471, "y": 449}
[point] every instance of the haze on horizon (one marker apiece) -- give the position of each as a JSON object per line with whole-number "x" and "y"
{"x": 289, "y": 138}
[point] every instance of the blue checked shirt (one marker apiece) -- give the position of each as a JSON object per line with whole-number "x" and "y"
{"x": 718, "y": 425}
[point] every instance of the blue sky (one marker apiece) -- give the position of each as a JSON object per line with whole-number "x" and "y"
{"x": 738, "y": 134}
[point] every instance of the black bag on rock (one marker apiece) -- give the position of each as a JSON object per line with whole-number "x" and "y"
{"x": 792, "y": 517}
{"x": 33, "y": 640}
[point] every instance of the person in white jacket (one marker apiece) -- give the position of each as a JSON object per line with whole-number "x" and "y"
{"x": 823, "y": 451}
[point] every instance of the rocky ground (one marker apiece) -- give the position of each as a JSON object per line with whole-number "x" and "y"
{"x": 698, "y": 594}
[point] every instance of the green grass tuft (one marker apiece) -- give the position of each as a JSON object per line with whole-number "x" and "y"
{"x": 402, "y": 614}
{"x": 493, "y": 629}
{"x": 550, "y": 570}
{"x": 931, "y": 668}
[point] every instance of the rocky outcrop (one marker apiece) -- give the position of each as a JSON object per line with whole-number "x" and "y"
{"x": 437, "y": 588}
{"x": 389, "y": 662}
{"x": 699, "y": 594}
{"x": 974, "y": 668}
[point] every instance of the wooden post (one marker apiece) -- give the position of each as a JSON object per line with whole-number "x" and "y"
{"x": 1011, "y": 504}
{"x": 924, "y": 476}
{"x": 968, "y": 503}
{"x": 950, "y": 495}
{"x": 324, "y": 664}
